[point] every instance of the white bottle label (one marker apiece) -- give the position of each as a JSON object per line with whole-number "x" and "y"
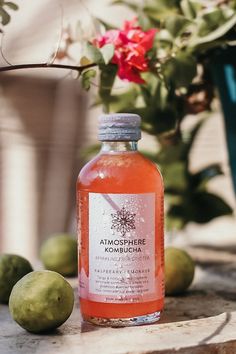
{"x": 121, "y": 248}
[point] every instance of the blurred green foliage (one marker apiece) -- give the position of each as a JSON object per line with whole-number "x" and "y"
{"x": 179, "y": 83}
{"x": 187, "y": 197}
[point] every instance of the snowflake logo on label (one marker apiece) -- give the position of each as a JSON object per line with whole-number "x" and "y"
{"x": 123, "y": 221}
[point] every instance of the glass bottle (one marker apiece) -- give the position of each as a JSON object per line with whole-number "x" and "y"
{"x": 120, "y": 229}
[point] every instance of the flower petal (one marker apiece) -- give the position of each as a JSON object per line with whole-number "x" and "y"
{"x": 131, "y": 45}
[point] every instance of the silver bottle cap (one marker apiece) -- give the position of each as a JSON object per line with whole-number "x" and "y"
{"x": 119, "y": 127}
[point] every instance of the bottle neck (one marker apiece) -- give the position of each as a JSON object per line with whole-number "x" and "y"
{"x": 119, "y": 146}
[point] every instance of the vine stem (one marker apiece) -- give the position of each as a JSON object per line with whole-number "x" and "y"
{"x": 80, "y": 69}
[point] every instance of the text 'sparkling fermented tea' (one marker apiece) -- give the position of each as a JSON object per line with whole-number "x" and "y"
{"x": 120, "y": 227}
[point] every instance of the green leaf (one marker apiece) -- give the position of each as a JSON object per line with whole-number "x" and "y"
{"x": 86, "y": 78}
{"x": 190, "y": 8}
{"x": 180, "y": 70}
{"x": 205, "y": 47}
{"x": 165, "y": 121}
{"x": 146, "y": 94}
{"x": 175, "y": 176}
{"x": 89, "y": 74}
{"x": 85, "y": 61}
{"x": 144, "y": 21}
{"x": 160, "y": 96}
{"x": 176, "y": 24}
{"x": 154, "y": 120}
{"x": 149, "y": 89}
{"x": 207, "y": 206}
{"x": 164, "y": 36}
{"x": 159, "y": 14}
{"x": 163, "y": 45}
{"x": 158, "y": 10}
{"x": 200, "y": 179}
{"x": 210, "y": 21}
{"x": 179, "y": 152}
{"x": 5, "y": 17}
{"x": 107, "y": 52}
{"x": 199, "y": 207}
{"x": 170, "y": 154}
{"x": 107, "y": 78}
{"x": 176, "y": 218}
{"x": 155, "y": 92}
{"x": 11, "y": 5}
{"x": 93, "y": 53}
{"x": 163, "y": 3}
{"x": 216, "y": 34}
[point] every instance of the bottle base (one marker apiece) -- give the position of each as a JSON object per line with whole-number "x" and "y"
{"x": 125, "y": 322}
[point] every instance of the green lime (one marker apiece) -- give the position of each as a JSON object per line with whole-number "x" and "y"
{"x": 41, "y": 301}
{"x": 59, "y": 253}
{"x": 12, "y": 269}
{"x": 179, "y": 270}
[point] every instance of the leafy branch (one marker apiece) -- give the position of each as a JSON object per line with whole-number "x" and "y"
{"x": 79, "y": 69}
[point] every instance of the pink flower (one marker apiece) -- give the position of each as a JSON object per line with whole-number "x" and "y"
{"x": 131, "y": 46}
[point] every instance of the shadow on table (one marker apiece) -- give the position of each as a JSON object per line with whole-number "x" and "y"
{"x": 212, "y": 292}
{"x": 197, "y": 304}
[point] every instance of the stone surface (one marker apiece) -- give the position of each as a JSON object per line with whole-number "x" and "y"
{"x": 201, "y": 321}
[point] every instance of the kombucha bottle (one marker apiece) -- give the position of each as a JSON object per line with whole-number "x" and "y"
{"x": 120, "y": 229}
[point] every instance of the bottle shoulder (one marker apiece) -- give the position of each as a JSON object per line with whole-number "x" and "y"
{"x": 118, "y": 161}
{"x": 120, "y": 169}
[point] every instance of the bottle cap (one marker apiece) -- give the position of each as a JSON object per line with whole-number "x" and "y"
{"x": 119, "y": 127}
